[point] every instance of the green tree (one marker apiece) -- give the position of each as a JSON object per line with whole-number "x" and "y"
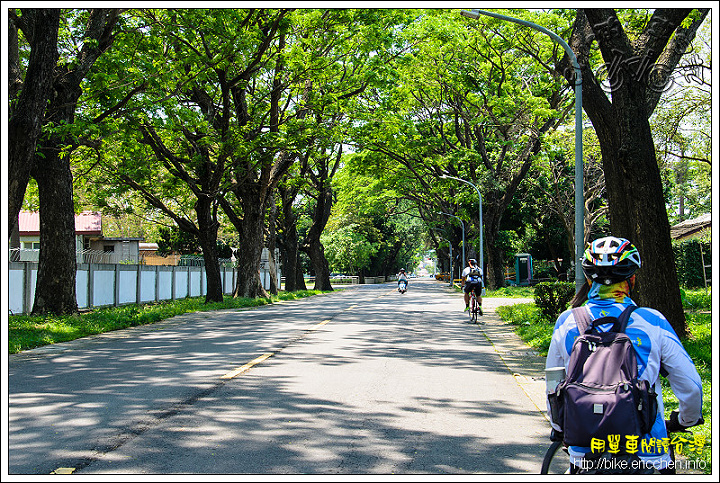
{"x": 173, "y": 240}
{"x": 471, "y": 104}
{"x": 350, "y": 248}
{"x": 84, "y": 37}
{"x": 640, "y": 52}
{"x": 352, "y": 51}
{"x": 201, "y": 131}
{"x": 681, "y": 126}
{"x": 553, "y": 186}
{"x": 373, "y": 229}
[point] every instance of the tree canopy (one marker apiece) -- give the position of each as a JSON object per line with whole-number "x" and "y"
{"x": 327, "y": 132}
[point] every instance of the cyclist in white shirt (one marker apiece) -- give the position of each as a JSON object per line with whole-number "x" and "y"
{"x": 472, "y": 279}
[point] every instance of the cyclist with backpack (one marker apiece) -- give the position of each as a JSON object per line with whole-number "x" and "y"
{"x": 579, "y": 407}
{"x": 472, "y": 279}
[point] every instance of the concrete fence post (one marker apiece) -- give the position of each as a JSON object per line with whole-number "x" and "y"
{"x": 27, "y": 288}
{"x": 157, "y": 282}
{"x": 90, "y": 287}
{"x": 138, "y": 288}
{"x": 116, "y": 295}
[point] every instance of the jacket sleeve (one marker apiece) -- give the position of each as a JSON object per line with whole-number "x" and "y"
{"x": 682, "y": 375}
{"x": 557, "y": 355}
{"x": 555, "y": 358}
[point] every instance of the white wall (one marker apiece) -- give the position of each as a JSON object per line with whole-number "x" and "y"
{"x": 99, "y": 285}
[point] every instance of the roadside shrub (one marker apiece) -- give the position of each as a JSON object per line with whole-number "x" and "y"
{"x": 689, "y": 257}
{"x": 553, "y": 297}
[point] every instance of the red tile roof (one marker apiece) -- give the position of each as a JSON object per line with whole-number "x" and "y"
{"x": 86, "y": 223}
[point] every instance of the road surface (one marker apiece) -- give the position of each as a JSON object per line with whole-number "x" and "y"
{"x": 360, "y": 381}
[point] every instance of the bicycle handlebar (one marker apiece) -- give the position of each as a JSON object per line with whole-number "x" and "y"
{"x": 673, "y": 424}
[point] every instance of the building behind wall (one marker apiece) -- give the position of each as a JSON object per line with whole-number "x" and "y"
{"x": 91, "y": 245}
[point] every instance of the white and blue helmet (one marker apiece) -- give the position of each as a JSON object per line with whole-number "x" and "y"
{"x": 610, "y": 260}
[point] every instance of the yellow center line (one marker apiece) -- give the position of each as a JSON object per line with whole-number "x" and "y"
{"x": 320, "y": 324}
{"x": 63, "y": 471}
{"x": 247, "y": 366}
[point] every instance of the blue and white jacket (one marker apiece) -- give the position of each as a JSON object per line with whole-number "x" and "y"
{"x": 655, "y": 344}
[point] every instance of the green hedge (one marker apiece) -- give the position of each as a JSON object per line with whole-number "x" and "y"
{"x": 553, "y": 298}
{"x": 688, "y": 261}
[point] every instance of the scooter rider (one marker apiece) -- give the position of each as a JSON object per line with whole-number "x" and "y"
{"x": 402, "y": 278}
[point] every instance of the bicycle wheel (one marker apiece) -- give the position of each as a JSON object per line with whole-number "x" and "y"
{"x": 478, "y": 312}
{"x": 554, "y": 462}
{"x": 473, "y": 309}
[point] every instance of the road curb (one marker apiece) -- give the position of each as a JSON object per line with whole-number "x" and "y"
{"x": 525, "y": 363}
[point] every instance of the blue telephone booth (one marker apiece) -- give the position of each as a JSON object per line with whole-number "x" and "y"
{"x": 523, "y": 269}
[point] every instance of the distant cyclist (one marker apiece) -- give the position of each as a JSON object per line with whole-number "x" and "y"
{"x": 609, "y": 265}
{"x": 472, "y": 280}
{"x": 402, "y": 279}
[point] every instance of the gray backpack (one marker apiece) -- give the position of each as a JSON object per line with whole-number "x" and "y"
{"x": 601, "y": 394}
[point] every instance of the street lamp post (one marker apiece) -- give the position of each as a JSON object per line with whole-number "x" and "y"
{"x": 451, "y": 269}
{"x": 463, "y": 232}
{"x": 480, "y": 220}
{"x": 579, "y": 181}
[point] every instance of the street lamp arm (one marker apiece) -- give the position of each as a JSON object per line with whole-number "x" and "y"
{"x": 475, "y": 13}
{"x": 463, "y": 180}
{"x": 480, "y": 219}
{"x": 462, "y": 224}
{"x": 579, "y": 175}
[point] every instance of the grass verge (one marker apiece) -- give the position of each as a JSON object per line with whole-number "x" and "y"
{"x": 536, "y": 331}
{"x": 26, "y": 331}
{"x": 512, "y": 292}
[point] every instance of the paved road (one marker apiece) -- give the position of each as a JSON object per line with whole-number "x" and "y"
{"x": 361, "y": 381}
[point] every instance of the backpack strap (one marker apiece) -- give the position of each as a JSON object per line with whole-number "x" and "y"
{"x": 582, "y": 318}
{"x": 584, "y": 322}
{"x": 624, "y": 318}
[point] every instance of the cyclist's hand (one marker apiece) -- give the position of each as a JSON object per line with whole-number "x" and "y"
{"x": 673, "y": 424}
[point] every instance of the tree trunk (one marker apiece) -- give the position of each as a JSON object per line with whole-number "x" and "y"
{"x": 272, "y": 268}
{"x": 207, "y": 236}
{"x": 291, "y": 259}
{"x": 637, "y": 210}
{"x": 634, "y": 188}
{"x": 57, "y": 264}
{"x": 299, "y": 274}
{"x": 494, "y": 264}
{"x": 26, "y": 118}
{"x": 250, "y": 229}
{"x": 213, "y": 276}
{"x": 290, "y": 244}
{"x": 313, "y": 247}
{"x": 248, "y": 279}
{"x": 272, "y": 244}
{"x": 316, "y": 252}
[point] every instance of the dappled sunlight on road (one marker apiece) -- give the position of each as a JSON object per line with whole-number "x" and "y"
{"x": 388, "y": 383}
